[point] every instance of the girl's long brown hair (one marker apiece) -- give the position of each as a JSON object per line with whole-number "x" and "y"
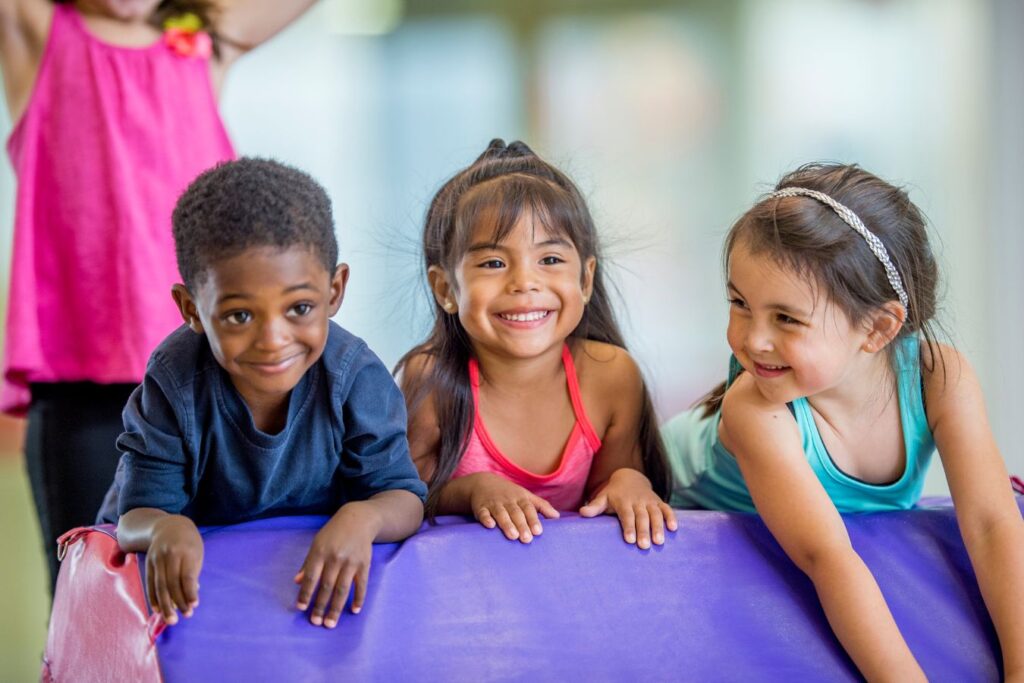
{"x": 506, "y": 181}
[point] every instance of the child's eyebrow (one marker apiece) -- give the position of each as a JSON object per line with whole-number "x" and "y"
{"x": 288, "y": 290}
{"x": 784, "y": 308}
{"x": 493, "y": 246}
{"x": 484, "y": 246}
{"x": 554, "y": 242}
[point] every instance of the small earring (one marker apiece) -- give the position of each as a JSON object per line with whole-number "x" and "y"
{"x": 586, "y": 300}
{"x": 449, "y": 306}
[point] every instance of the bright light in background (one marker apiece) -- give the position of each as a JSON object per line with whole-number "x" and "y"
{"x": 364, "y": 17}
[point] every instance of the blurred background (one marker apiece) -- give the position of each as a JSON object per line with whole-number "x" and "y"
{"x": 672, "y": 117}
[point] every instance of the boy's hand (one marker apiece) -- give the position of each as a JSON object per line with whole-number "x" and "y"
{"x": 641, "y": 513}
{"x": 173, "y": 562}
{"x": 339, "y": 556}
{"x": 496, "y": 501}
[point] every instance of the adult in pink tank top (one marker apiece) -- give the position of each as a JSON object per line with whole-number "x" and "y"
{"x": 113, "y": 118}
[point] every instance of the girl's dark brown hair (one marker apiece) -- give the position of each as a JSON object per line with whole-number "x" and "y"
{"x": 505, "y": 182}
{"x": 809, "y": 238}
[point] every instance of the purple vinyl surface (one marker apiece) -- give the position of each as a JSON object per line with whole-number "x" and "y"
{"x": 457, "y": 602}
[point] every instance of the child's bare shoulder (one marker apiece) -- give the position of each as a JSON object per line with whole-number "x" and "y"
{"x": 605, "y": 366}
{"x": 950, "y": 382}
{"x": 749, "y": 419}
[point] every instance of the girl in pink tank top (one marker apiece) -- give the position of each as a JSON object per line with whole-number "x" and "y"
{"x": 115, "y": 112}
{"x": 524, "y": 401}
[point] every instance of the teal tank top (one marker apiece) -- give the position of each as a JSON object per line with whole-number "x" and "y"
{"x": 706, "y": 475}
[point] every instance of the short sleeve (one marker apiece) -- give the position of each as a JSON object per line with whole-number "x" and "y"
{"x": 375, "y": 453}
{"x": 155, "y": 470}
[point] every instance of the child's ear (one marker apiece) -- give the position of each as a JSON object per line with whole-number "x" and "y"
{"x": 338, "y": 282}
{"x": 444, "y": 292}
{"x": 589, "y": 268}
{"x": 187, "y": 306}
{"x": 883, "y": 326}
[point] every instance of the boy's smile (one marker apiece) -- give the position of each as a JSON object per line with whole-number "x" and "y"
{"x": 265, "y": 313}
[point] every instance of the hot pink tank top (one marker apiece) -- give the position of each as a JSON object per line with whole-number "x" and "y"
{"x": 111, "y": 136}
{"x": 564, "y": 488}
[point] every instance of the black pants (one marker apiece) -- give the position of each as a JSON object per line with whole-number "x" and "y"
{"x": 71, "y": 454}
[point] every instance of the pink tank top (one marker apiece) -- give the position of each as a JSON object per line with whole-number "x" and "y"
{"x": 111, "y": 136}
{"x": 564, "y": 488}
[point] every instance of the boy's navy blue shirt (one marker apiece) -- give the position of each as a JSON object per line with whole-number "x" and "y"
{"x": 190, "y": 446}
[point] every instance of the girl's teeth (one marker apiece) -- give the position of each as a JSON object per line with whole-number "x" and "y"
{"x": 524, "y": 317}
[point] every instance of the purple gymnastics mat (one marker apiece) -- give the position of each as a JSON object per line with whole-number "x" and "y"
{"x": 457, "y": 602}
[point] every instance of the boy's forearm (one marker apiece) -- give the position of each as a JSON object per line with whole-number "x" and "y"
{"x": 861, "y": 620}
{"x": 135, "y": 528}
{"x": 394, "y": 515}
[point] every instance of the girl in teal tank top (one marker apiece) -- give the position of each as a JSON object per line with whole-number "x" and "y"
{"x": 837, "y": 395}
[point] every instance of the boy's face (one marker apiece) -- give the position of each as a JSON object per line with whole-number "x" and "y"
{"x": 265, "y": 314}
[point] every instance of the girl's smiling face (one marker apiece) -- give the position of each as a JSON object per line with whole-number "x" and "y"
{"x": 265, "y": 313}
{"x": 520, "y": 297}
{"x": 785, "y": 332}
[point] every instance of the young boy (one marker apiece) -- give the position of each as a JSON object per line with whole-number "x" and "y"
{"x": 260, "y": 405}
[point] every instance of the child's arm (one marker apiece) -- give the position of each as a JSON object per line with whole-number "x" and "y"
{"x": 986, "y": 511}
{"x": 24, "y": 25}
{"x": 155, "y": 481}
{"x": 340, "y": 553}
{"x": 383, "y": 496}
{"x": 246, "y": 24}
{"x": 798, "y": 512}
{"x": 174, "y": 558}
{"x": 617, "y": 483}
{"x": 492, "y": 500}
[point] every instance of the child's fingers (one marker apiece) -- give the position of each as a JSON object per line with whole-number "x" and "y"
{"x": 533, "y": 520}
{"x": 643, "y": 526}
{"x": 339, "y": 596}
{"x": 163, "y": 597}
{"x": 657, "y": 523}
{"x": 505, "y": 523}
{"x": 310, "y": 576}
{"x": 484, "y": 516}
{"x": 174, "y": 584}
{"x": 596, "y": 507}
{"x": 545, "y": 508}
{"x": 190, "y": 585}
{"x": 151, "y": 572}
{"x": 628, "y": 523}
{"x": 670, "y": 516}
{"x": 328, "y": 580}
{"x": 519, "y": 519}
{"x": 362, "y": 579}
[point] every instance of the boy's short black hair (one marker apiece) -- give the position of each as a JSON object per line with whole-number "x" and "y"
{"x": 247, "y": 203}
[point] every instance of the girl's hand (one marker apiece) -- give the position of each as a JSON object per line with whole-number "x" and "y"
{"x": 173, "y": 562}
{"x": 495, "y": 501}
{"x": 340, "y": 555}
{"x": 641, "y": 513}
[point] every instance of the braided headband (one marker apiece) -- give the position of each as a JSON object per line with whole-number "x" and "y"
{"x": 851, "y": 219}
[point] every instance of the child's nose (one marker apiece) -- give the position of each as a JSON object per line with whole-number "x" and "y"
{"x": 273, "y": 334}
{"x": 759, "y": 339}
{"x": 523, "y": 278}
